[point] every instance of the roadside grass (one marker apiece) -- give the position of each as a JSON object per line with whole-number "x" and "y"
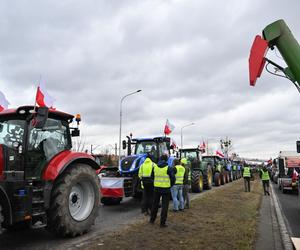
{"x": 223, "y": 218}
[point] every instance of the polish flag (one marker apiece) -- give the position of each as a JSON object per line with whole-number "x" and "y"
{"x": 112, "y": 187}
{"x": 168, "y": 128}
{"x": 173, "y": 143}
{"x": 43, "y": 99}
{"x": 203, "y": 145}
{"x": 3, "y": 102}
{"x": 219, "y": 153}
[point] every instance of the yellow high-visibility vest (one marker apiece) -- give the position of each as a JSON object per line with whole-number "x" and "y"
{"x": 161, "y": 177}
{"x": 179, "y": 174}
{"x": 246, "y": 172}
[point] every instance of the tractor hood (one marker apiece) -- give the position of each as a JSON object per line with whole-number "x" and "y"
{"x": 132, "y": 163}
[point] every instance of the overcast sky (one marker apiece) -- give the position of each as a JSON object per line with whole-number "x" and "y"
{"x": 190, "y": 58}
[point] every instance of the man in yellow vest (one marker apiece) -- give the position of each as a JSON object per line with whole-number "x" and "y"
{"x": 247, "y": 177}
{"x": 147, "y": 184}
{"x": 176, "y": 190}
{"x": 186, "y": 182}
{"x": 164, "y": 178}
{"x": 265, "y": 177}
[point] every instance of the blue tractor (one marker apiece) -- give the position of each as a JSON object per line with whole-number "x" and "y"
{"x": 137, "y": 151}
{"x": 141, "y": 147}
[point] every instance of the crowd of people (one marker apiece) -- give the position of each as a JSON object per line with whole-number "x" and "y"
{"x": 159, "y": 182}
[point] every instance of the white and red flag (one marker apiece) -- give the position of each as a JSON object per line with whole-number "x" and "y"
{"x": 43, "y": 99}
{"x": 173, "y": 143}
{"x": 169, "y": 127}
{"x": 219, "y": 153}
{"x": 202, "y": 146}
{"x": 3, "y": 102}
{"x": 112, "y": 187}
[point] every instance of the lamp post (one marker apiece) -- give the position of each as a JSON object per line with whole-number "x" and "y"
{"x": 181, "y": 136}
{"x": 120, "y": 131}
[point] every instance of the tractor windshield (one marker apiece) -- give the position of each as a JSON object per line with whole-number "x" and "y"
{"x": 144, "y": 147}
{"x": 189, "y": 155}
{"x": 51, "y": 139}
{"x": 11, "y": 132}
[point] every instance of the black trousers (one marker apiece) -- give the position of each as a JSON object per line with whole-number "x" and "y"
{"x": 164, "y": 208}
{"x": 147, "y": 198}
{"x": 247, "y": 184}
{"x": 266, "y": 185}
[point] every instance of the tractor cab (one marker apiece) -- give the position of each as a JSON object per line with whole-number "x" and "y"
{"x": 29, "y": 139}
{"x": 155, "y": 147}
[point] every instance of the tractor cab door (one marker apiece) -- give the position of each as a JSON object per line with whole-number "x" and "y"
{"x": 12, "y": 140}
{"x": 43, "y": 144}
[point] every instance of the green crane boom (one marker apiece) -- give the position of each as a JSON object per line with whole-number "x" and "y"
{"x": 276, "y": 34}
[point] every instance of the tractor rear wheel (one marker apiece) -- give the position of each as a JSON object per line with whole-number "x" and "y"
{"x": 197, "y": 181}
{"x": 1, "y": 219}
{"x": 217, "y": 179}
{"x": 74, "y": 201}
{"x": 223, "y": 178}
{"x": 209, "y": 179}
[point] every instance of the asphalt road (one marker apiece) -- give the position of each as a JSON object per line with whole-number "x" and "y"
{"x": 290, "y": 205}
{"x": 110, "y": 219}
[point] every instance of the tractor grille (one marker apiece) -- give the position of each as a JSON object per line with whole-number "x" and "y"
{"x": 128, "y": 188}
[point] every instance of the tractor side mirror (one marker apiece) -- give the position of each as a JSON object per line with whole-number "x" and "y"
{"x": 75, "y": 132}
{"x": 124, "y": 144}
{"x": 298, "y": 146}
{"x": 41, "y": 117}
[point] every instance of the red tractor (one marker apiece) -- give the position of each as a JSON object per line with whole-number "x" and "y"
{"x": 42, "y": 182}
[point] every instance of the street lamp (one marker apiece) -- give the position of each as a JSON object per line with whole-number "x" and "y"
{"x": 181, "y": 140}
{"x": 120, "y": 131}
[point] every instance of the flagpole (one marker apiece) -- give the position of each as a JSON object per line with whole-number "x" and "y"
{"x": 36, "y": 93}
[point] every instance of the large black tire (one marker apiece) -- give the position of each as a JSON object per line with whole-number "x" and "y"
{"x": 217, "y": 179}
{"x": 223, "y": 178}
{"x": 197, "y": 181}
{"x": 74, "y": 201}
{"x": 208, "y": 179}
{"x": 227, "y": 176}
{"x": 110, "y": 201}
{"x": 230, "y": 176}
{"x": 1, "y": 219}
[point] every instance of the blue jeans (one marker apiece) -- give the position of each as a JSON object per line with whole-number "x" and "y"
{"x": 177, "y": 197}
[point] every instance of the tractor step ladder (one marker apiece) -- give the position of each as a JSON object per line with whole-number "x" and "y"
{"x": 39, "y": 216}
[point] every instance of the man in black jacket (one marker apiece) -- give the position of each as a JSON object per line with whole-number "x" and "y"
{"x": 163, "y": 178}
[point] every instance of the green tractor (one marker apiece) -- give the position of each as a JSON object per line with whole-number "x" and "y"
{"x": 220, "y": 173}
{"x": 201, "y": 171}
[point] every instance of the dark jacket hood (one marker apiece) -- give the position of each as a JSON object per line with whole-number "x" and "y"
{"x": 162, "y": 163}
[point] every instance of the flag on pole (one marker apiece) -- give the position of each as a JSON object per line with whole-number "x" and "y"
{"x": 3, "y": 102}
{"x": 202, "y": 147}
{"x": 43, "y": 99}
{"x": 219, "y": 153}
{"x": 169, "y": 127}
{"x": 173, "y": 143}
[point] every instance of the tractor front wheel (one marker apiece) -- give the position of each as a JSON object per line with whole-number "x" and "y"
{"x": 197, "y": 181}
{"x": 74, "y": 201}
{"x": 217, "y": 179}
